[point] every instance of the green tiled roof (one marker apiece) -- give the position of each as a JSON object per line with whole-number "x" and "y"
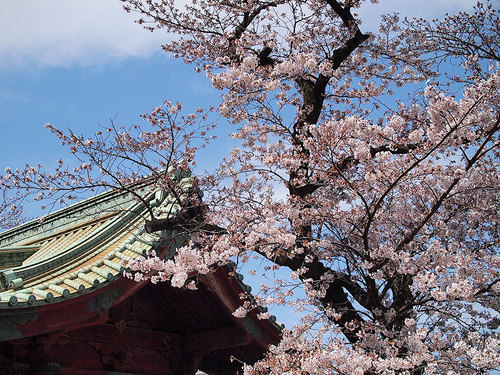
{"x": 78, "y": 248}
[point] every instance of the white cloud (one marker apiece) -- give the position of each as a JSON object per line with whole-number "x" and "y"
{"x": 93, "y": 32}
{"x": 70, "y": 32}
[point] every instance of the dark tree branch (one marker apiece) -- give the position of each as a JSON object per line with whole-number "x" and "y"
{"x": 248, "y": 18}
{"x": 335, "y": 297}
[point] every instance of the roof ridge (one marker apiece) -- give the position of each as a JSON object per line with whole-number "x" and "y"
{"x": 26, "y": 272}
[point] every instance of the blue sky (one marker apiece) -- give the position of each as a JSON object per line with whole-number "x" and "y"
{"x": 84, "y": 98}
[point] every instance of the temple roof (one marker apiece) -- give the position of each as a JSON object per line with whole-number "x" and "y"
{"x": 77, "y": 249}
{"x": 65, "y": 271}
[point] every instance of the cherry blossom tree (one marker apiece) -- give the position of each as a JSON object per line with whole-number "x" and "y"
{"x": 366, "y": 166}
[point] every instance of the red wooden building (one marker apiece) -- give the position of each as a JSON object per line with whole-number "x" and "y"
{"x": 66, "y": 308}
